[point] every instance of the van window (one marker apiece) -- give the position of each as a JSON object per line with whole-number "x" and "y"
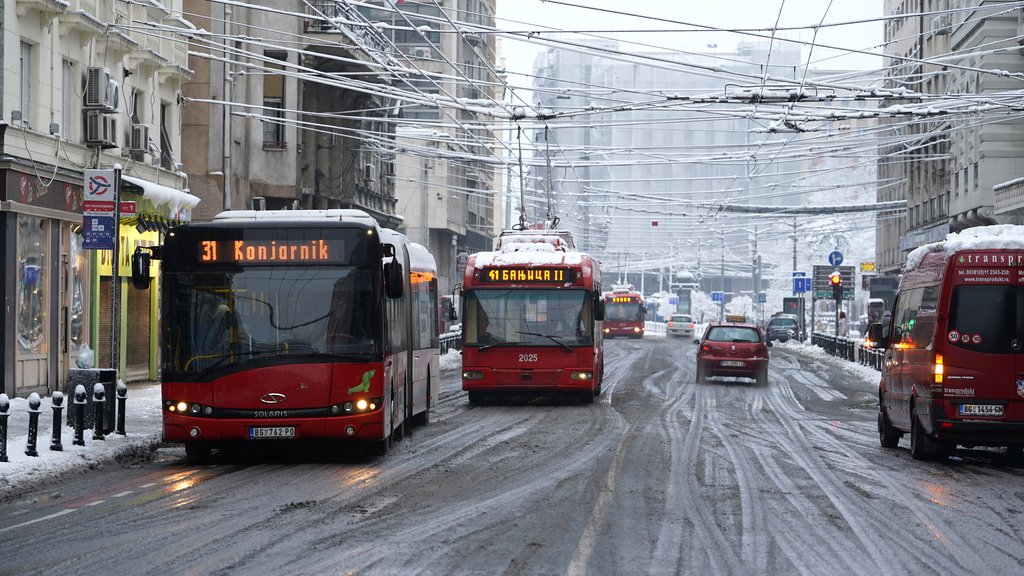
{"x": 915, "y": 318}
{"x": 986, "y": 317}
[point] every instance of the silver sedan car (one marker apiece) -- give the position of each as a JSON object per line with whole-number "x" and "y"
{"x": 680, "y": 325}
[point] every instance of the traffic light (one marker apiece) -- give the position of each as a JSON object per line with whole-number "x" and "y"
{"x": 836, "y": 281}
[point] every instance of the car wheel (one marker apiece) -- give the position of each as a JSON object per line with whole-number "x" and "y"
{"x": 888, "y": 436}
{"x": 923, "y": 447}
{"x": 762, "y": 377}
{"x": 701, "y": 377}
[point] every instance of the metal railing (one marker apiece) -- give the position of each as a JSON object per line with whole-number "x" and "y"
{"x": 849, "y": 349}
{"x": 450, "y": 341}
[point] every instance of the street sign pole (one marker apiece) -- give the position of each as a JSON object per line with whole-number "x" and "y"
{"x": 115, "y": 276}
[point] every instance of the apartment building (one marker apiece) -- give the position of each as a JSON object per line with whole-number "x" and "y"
{"x": 86, "y": 84}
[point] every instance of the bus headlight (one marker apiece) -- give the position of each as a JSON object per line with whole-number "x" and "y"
{"x": 187, "y": 408}
{"x": 472, "y": 375}
{"x": 581, "y": 375}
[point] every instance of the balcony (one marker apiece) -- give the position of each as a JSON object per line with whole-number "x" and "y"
{"x": 26, "y": 7}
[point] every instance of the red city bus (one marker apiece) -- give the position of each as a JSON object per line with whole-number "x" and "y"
{"x": 624, "y": 312}
{"x": 531, "y": 320}
{"x": 294, "y": 325}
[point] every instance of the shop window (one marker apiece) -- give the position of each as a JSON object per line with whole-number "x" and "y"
{"x": 32, "y": 285}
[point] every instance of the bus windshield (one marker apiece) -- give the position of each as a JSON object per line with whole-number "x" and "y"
{"x": 242, "y": 315}
{"x": 528, "y": 317}
{"x": 624, "y": 311}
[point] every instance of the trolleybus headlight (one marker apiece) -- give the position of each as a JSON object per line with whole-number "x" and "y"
{"x": 472, "y": 375}
{"x": 580, "y": 375}
{"x": 362, "y": 404}
{"x": 180, "y": 406}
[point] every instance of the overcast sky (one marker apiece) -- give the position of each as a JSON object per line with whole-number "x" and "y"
{"x": 539, "y": 15}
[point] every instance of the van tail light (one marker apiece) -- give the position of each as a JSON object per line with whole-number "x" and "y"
{"x": 939, "y": 371}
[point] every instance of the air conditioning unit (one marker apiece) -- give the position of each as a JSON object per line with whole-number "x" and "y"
{"x": 101, "y": 91}
{"x": 138, "y": 142}
{"x": 421, "y": 52}
{"x": 100, "y": 129}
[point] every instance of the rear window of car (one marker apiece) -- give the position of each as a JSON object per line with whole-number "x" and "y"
{"x": 782, "y": 323}
{"x": 733, "y": 334}
{"x": 680, "y": 318}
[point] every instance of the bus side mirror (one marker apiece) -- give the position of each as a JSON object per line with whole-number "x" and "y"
{"x": 598, "y": 308}
{"x": 393, "y": 286}
{"x": 140, "y": 268}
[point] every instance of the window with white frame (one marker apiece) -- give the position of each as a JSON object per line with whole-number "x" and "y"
{"x": 26, "y": 85}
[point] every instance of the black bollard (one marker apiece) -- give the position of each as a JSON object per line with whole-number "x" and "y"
{"x": 5, "y": 411}
{"x": 57, "y": 403}
{"x": 99, "y": 394}
{"x": 79, "y": 415}
{"x": 33, "y": 424}
{"x": 122, "y": 399}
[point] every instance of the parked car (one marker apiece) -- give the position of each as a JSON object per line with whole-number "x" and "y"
{"x": 783, "y": 328}
{"x": 952, "y": 369}
{"x": 737, "y": 350}
{"x": 680, "y": 325}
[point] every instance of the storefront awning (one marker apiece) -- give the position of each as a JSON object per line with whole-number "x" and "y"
{"x": 172, "y": 203}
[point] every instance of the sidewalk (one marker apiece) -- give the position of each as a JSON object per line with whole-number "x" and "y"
{"x": 142, "y": 428}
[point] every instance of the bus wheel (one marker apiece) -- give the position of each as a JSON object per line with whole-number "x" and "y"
{"x": 382, "y": 447}
{"x": 476, "y": 398}
{"x": 197, "y": 451}
{"x": 888, "y": 436}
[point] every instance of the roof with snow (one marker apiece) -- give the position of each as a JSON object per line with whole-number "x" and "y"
{"x": 999, "y": 237}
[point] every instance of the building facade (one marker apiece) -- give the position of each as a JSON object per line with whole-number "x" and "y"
{"x": 86, "y": 84}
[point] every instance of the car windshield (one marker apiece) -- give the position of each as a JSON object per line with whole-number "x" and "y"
{"x": 733, "y": 334}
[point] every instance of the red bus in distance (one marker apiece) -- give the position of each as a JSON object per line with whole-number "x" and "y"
{"x": 531, "y": 321}
{"x": 624, "y": 312}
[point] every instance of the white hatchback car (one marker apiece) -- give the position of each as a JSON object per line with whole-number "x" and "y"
{"x": 680, "y": 325}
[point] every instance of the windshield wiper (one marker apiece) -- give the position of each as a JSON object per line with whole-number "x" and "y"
{"x": 549, "y": 337}
{"x": 278, "y": 353}
{"x": 497, "y": 345}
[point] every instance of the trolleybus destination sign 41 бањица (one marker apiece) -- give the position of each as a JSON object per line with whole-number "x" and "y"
{"x": 295, "y": 325}
{"x": 532, "y": 313}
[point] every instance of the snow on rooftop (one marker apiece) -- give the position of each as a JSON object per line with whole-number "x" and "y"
{"x": 998, "y": 237}
{"x": 531, "y": 257}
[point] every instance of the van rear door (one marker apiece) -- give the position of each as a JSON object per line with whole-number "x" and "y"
{"x": 984, "y": 339}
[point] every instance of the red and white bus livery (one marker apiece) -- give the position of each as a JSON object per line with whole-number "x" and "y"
{"x": 531, "y": 320}
{"x": 295, "y": 325}
{"x": 624, "y": 312}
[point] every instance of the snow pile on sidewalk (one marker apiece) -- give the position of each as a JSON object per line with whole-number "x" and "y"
{"x": 142, "y": 428}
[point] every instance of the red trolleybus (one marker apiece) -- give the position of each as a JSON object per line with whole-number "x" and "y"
{"x": 294, "y": 325}
{"x": 531, "y": 319}
{"x": 624, "y": 312}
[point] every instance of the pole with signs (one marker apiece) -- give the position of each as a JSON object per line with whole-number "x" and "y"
{"x": 115, "y": 276}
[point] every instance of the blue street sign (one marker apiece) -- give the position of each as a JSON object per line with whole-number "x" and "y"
{"x": 799, "y": 284}
{"x": 835, "y": 258}
{"x": 97, "y": 232}
{"x": 762, "y": 297}
{"x": 718, "y": 296}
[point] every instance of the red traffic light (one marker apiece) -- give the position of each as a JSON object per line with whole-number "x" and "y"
{"x": 835, "y": 279}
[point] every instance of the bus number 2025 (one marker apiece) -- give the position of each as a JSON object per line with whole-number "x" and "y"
{"x": 527, "y": 357}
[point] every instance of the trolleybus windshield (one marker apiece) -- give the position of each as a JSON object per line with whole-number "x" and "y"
{"x": 528, "y": 317}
